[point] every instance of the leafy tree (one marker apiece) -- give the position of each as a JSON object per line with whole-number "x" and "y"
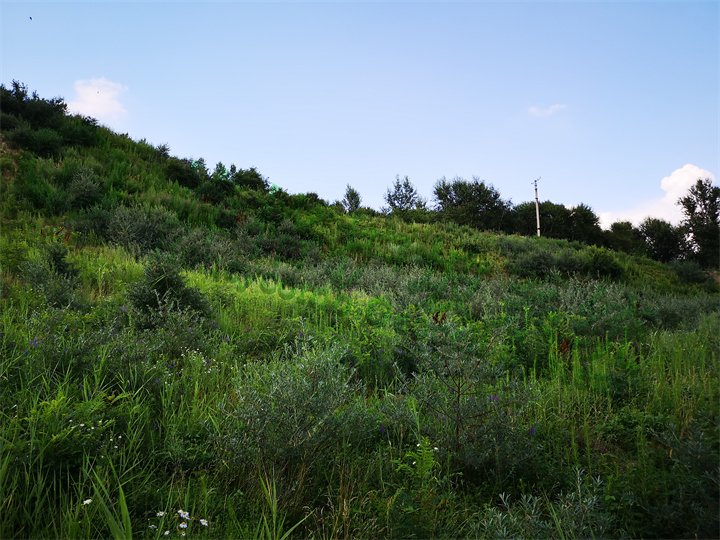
{"x": 220, "y": 172}
{"x": 555, "y": 220}
{"x": 182, "y": 172}
{"x": 475, "y": 203}
{"x": 701, "y": 207}
{"x": 352, "y": 199}
{"x": 584, "y": 225}
{"x": 38, "y": 112}
{"x": 404, "y": 196}
{"x": 250, "y": 179}
{"x": 666, "y": 242}
{"x": 622, "y": 236}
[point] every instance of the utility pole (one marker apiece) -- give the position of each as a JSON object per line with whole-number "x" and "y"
{"x": 537, "y": 207}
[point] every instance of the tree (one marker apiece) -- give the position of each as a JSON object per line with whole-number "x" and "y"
{"x": 475, "y": 203}
{"x": 555, "y": 221}
{"x": 666, "y": 242}
{"x": 622, "y": 236}
{"x": 701, "y": 208}
{"x": 251, "y": 179}
{"x": 352, "y": 199}
{"x": 403, "y": 196}
{"x": 584, "y": 225}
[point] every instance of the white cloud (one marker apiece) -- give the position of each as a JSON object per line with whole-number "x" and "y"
{"x": 98, "y": 98}
{"x": 537, "y": 111}
{"x": 675, "y": 186}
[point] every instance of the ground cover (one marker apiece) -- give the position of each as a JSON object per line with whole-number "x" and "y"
{"x": 188, "y": 355}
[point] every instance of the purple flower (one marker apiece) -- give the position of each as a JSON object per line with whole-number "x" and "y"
{"x": 532, "y": 431}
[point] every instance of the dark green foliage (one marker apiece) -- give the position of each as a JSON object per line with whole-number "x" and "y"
{"x": 665, "y": 241}
{"x": 622, "y": 236}
{"x": 85, "y": 190}
{"x": 602, "y": 263}
{"x": 142, "y": 229}
{"x": 535, "y": 264}
{"x": 470, "y": 407}
{"x": 53, "y": 278}
{"x": 250, "y": 179}
{"x": 404, "y": 196}
{"x": 42, "y": 125}
{"x": 686, "y": 505}
{"x": 475, "y": 203}
{"x": 701, "y": 209}
{"x": 8, "y": 122}
{"x": 584, "y": 225}
{"x": 162, "y": 286}
{"x": 79, "y": 131}
{"x": 44, "y": 142}
{"x": 38, "y": 113}
{"x": 55, "y": 254}
{"x": 289, "y": 413}
{"x": 91, "y": 224}
{"x": 689, "y": 272}
{"x": 554, "y": 220}
{"x": 182, "y": 172}
{"x": 351, "y": 201}
{"x": 216, "y": 190}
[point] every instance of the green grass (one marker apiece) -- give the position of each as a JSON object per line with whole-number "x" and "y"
{"x": 307, "y": 373}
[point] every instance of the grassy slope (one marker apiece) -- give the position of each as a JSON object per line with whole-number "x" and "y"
{"x": 337, "y": 353}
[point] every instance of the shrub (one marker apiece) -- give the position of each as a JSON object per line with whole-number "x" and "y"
{"x": 46, "y": 142}
{"x": 91, "y": 223}
{"x": 576, "y": 514}
{"x": 289, "y": 412}
{"x": 143, "y": 229}
{"x": 689, "y": 271}
{"x": 601, "y": 262}
{"x": 78, "y": 131}
{"x": 536, "y": 264}
{"x": 162, "y": 286}
{"x": 470, "y": 409}
{"x": 84, "y": 190}
{"x": 53, "y": 278}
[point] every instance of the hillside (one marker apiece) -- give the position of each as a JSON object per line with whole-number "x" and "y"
{"x": 179, "y": 340}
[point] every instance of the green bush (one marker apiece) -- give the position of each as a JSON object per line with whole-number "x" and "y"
{"x": 534, "y": 264}
{"x": 163, "y": 286}
{"x": 142, "y": 228}
{"x": 53, "y": 278}
{"x": 470, "y": 409}
{"x": 689, "y": 271}
{"x": 603, "y": 263}
{"x": 85, "y": 191}
{"x": 289, "y": 412}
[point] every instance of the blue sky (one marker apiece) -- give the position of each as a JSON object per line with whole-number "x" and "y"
{"x": 612, "y": 104}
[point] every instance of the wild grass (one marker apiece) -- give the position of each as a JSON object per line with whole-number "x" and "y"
{"x": 267, "y": 366}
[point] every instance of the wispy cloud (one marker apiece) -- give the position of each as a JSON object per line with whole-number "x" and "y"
{"x": 99, "y": 98}
{"x": 675, "y": 186}
{"x": 537, "y": 111}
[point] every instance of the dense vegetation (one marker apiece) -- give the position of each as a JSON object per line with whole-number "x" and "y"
{"x": 208, "y": 355}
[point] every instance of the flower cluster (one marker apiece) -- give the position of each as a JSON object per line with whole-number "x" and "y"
{"x": 180, "y": 522}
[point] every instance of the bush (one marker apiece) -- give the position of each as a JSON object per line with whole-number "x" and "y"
{"x": 535, "y": 264}
{"x": 601, "y": 262}
{"x": 470, "y": 409}
{"x": 53, "y": 278}
{"x": 162, "y": 287}
{"x": 143, "y": 229}
{"x": 84, "y": 190}
{"x": 689, "y": 271}
{"x": 289, "y": 412}
{"x": 46, "y": 142}
{"x": 78, "y": 131}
